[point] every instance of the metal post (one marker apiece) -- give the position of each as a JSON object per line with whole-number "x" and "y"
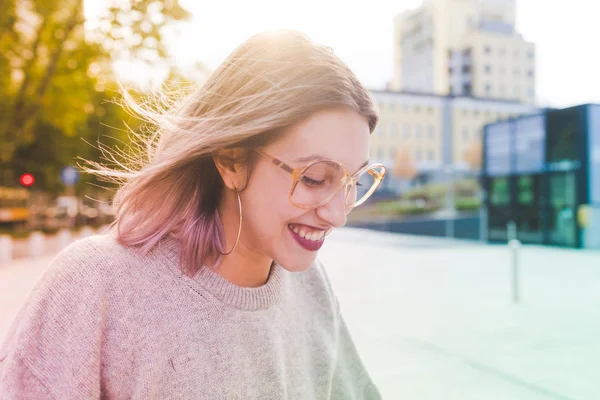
{"x": 483, "y": 218}
{"x": 514, "y": 246}
{"x": 450, "y": 209}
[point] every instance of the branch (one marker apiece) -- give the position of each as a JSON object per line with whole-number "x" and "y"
{"x": 30, "y": 116}
{"x": 27, "y": 72}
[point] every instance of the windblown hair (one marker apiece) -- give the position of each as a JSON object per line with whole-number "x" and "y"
{"x": 270, "y": 82}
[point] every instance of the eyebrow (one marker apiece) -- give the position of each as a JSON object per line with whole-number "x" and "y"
{"x": 317, "y": 157}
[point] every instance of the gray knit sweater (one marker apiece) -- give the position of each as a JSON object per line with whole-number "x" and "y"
{"x": 104, "y": 322}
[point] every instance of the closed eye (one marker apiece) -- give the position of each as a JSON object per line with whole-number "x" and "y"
{"x": 312, "y": 182}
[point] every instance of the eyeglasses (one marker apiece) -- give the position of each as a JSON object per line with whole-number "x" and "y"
{"x": 319, "y": 182}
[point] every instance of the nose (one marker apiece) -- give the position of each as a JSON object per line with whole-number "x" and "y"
{"x": 334, "y": 212}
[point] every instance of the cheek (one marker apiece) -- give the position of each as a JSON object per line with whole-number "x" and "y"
{"x": 267, "y": 207}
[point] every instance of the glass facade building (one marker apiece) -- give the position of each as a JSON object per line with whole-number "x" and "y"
{"x": 543, "y": 172}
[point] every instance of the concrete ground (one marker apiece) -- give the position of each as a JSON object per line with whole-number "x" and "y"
{"x": 435, "y": 319}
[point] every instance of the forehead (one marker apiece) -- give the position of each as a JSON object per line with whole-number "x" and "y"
{"x": 339, "y": 134}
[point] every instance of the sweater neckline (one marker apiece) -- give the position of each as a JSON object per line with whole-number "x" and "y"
{"x": 208, "y": 280}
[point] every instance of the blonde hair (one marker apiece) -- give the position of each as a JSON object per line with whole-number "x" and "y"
{"x": 269, "y": 83}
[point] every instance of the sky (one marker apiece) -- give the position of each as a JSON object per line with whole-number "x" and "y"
{"x": 361, "y": 33}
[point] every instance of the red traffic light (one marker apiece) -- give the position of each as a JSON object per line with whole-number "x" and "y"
{"x": 27, "y": 180}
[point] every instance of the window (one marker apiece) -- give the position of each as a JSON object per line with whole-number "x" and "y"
{"x": 488, "y": 88}
{"x": 525, "y": 190}
{"x": 501, "y": 90}
{"x": 393, "y": 130}
{"x": 466, "y": 69}
{"x": 476, "y": 113}
{"x": 467, "y": 89}
{"x": 517, "y": 91}
{"x": 465, "y": 133}
{"x": 516, "y": 72}
{"x": 499, "y": 192}
{"x": 501, "y": 52}
{"x": 419, "y": 155}
{"x": 430, "y": 110}
{"x": 430, "y": 155}
{"x": 516, "y": 54}
{"x": 530, "y": 73}
{"x": 392, "y": 153}
{"x": 430, "y": 131}
{"x": 391, "y": 106}
{"x": 406, "y": 107}
{"x": 529, "y": 195}
{"x": 488, "y": 69}
{"x": 417, "y": 109}
{"x": 406, "y": 130}
{"x": 531, "y": 92}
{"x": 418, "y": 131}
{"x": 531, "y": 54}
{"x": 502, "y": 71}
{"x": 487, "y": 50}
{"x": 562, "y": 129}
{"x": 499, "y": 207}
{"x": 450, "y": 70}
{"x": 382, "y": 129}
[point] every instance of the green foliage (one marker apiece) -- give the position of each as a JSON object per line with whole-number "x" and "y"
{"x": 437, "y": 191}
{"x": 468, "y": 203}
{"x": 429, "y": 198}
{"x": 56, "y": 79}
{"x": 407, "y": 208}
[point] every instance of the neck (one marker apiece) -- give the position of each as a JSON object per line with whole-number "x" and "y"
{"x": 244, "y": 272}
{"x": 243, "y": 267}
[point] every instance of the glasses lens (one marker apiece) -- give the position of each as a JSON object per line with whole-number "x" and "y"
{"x": 365, "y": 185}
{"x": 317, "y": 183}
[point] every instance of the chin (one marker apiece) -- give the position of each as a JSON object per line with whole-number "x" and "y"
{"x": 297, "y": 265}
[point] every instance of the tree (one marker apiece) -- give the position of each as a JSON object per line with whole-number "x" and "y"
{"x": 474, "y": 155}
{"x": 404, "y": 164}
{"x": 56, "y": 62}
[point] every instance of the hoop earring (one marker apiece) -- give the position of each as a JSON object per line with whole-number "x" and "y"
{"x": 240, "y": 225}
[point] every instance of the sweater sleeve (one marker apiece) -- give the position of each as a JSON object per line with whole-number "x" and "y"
{"x": 21, "y": 383}
{"x": 350, "y": 379}
{"x": 52, "y": 350}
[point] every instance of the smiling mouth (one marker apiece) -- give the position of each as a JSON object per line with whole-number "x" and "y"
{"x": 306, "y": 232}
{"x": 309, "y": 238}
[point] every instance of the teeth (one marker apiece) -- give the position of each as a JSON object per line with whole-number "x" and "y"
{"x": 306, "y": 234}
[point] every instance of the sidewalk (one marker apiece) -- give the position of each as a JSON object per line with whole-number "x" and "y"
{"x": 16, "y": 281}
{"x": 435, "y": 320}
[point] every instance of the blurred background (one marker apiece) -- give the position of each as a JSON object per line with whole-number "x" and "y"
{"x": 489, "y": 130}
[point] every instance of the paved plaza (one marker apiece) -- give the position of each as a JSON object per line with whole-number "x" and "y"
{"x": 434, "y": 318}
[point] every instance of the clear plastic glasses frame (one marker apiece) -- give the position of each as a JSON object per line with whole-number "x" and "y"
{"x": 376, "y": 170}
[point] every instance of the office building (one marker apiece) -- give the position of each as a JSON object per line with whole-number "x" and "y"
{"x": 543, "y": 172}
{"x": 464, "y": 48}
{"x": 437, "y": 131}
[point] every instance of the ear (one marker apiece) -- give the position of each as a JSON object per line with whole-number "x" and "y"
{"x": 231, "y": 164}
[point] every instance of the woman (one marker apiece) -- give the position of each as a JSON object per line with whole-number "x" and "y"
{"x": 207, "y": 287}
